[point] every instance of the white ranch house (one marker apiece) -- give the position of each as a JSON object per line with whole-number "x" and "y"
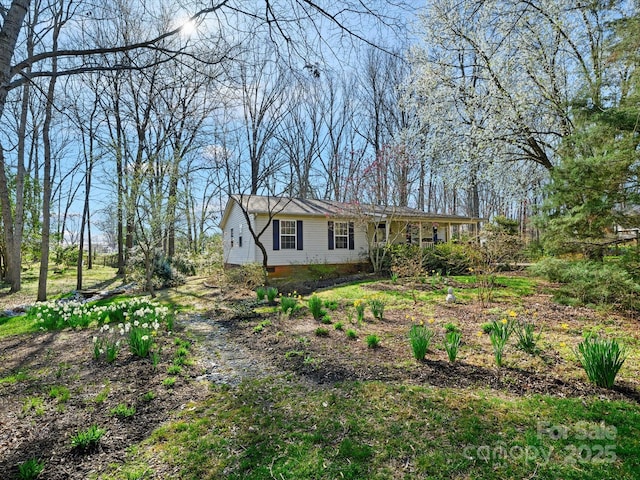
{"x": 301, "y": 232}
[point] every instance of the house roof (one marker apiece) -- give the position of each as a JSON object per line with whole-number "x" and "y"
{"x": 268, "y": 205}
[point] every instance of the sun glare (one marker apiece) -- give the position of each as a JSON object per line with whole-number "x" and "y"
{"x": 188, "y": 28}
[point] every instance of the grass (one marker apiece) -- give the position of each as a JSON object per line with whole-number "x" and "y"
{"x": 284, "y": 429}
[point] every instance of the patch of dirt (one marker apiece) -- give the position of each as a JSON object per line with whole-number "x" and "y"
{"x": 65, "y": 359}
{"x": 291, "y": 344}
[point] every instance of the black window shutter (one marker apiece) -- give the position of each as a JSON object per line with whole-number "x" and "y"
{"x": 276, "y": 234}
{"x": 299, "y": 234}
{"x": 330, "y": 235}
{"x": 352, "y": 237}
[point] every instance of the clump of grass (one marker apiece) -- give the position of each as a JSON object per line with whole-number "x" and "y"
{"x": 420, "y": 339}
{"x": 331, "y": 305}
{"x": 351, "y": 334}
{"x": 601, "y": 359}
{"x": 526, "y": 337}
{"x": 147, "y": 397}
{"x": 499, "y": 335}
{"x": 123, "y": 411}
{"x": 88, "y": 439}
{"x": 487, "y": 327}
{"x": 315, "y": 307}
{"x": 174, "y": 369}
{"x": 261, "y": 326}
{"x": 60, "y": 393}
{"x": 373, "y": 341}
{"x": 30, "y": 469}
{"x": 377, "y": 308}
{"x": 339, "y": 326}
{"x": 169, "y": 382}
{"x": 452, "y": 344}
{"x": 322, "y": 332}
{"x": 261, "y": 293}
{"x": 288, "y": 304}
{"x": 272, "y": 293}
{"x": 326, "y": 319}
{"x": 33, "y": 404}
{"x": 451, "y": 327}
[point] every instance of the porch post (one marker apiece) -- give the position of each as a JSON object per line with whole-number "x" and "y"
{"x": 420, "y": 233}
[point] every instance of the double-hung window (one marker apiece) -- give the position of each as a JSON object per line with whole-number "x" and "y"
{"x": 288, "y": 234}
{"x": 341, "y": 231}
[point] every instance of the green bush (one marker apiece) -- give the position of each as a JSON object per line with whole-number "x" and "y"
{"x": 444, "y": 258}
{"x": 601, "y": 359}
{"x": 591, "y": 282}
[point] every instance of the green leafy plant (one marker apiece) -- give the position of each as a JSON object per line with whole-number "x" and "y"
{"x": 315, "y": 307}
{"x": 140, "y": 341}
{"x": 272, "y": 293}
{"x": 526, "y": 337}
{"x": 359, "y": 305}
{"x": 451, "y": 327}
{"x": 373, "y": 341}
{"x": 331, "y": 305}
{"x": 261, "y": 293}
{"x": 351, "y": 334}
{"x": 174, "y": 369}
{"x": 147, "y": 397}
{"x": 601, "y": 359}
{"x": 87, "y": 439}
{"x": 288, "y": 304}
{"x": 123, "y": 411}
{"x": 322, "y": 332}
{"x": 60, "y": 393}
{"x": 169, "y": 382}
{"x": 31, "y": 469}
{"x": 34, "y": 404}
{"x": 499, "y": 335}
{"x": 326, "y": 319}
{"x": 420, "y": 339}
{"x": 452, "y": 344}
{"x": 261, "y": 326}
{"x": 487, "y": 327}
{"x": 377, "y": 308}
{"x": 339, "y": 326}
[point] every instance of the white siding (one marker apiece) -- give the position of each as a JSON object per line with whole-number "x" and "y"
{"x": 315, "y": 244}
{"x": 237, "y": 255}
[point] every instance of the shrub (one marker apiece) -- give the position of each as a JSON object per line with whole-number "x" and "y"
{"x": 499, "y": 335}
{"x": 315, "y": 307}
{"x": 601, "y": 359}
{"x": 420, "y": 339}
{"x": 163, "y": 273}
{"x": 377, "y": 308}
{"x": 452, "y": 344}
{"x": 30, "y": 469}
{"x": 526, "y": 337}
{"x": 87, "y": 439}
{"x": 250, "y": 275}
{"x": 351, "y": 334}
{"x": 184, "y": 265}
{"x": 373, "y": 341}
{"x": 322, "y": 332}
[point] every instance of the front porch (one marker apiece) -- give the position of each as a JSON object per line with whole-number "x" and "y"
{"x": 425, "y": 233}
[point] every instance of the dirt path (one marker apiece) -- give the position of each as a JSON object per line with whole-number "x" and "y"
{"x": 224, "y": 361}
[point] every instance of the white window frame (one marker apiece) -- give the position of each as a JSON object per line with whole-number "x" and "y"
{"x": 343, "y": 228}
{"x": 288, "y": 240}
